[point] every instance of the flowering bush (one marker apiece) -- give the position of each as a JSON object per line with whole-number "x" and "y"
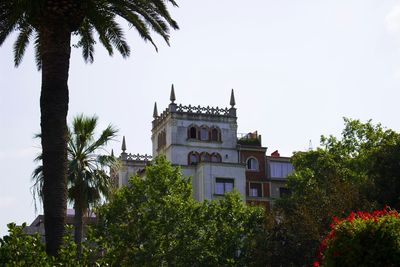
{"x": 362, "y": 239}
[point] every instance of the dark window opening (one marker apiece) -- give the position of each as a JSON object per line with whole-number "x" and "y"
{"x": 252, "y": 164}
{"x": 193, "y": 133}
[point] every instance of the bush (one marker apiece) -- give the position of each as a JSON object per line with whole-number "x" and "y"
{"x": 20, "y": 249}
{"x": 362, "y": 239}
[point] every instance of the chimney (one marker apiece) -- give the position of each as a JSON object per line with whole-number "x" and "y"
{"x": 275, "y": 154}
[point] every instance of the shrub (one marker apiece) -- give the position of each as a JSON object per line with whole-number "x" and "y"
{"x": 362, "y": 239}
{"x": 21, "y": 249}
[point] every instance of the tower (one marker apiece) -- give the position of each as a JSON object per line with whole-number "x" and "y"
{"x": 203, "y": 141}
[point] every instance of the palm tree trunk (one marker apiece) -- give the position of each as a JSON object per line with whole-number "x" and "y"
{"x": 79, "y": 220}
{"x": 56, "y": 50}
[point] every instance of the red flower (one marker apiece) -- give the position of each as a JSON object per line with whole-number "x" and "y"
{"x": 315, "y": 264}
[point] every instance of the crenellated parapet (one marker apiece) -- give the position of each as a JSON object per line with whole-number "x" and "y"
{"x": 203, "y": 110}
{"x": 132, "y": 157}
{"x": 139, "y": 157}
{"x": 174, "y": 108}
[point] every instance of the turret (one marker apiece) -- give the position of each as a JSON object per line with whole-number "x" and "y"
{"x": 232, "y": 110}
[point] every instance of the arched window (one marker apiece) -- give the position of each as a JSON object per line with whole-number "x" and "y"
{"x": 215, "y": 134}
{"x": 252, "y": 164}
{"x": 215, "y": 157}
{"x": 192, "y": 133}
{"x": 204, "y": 133}
{"x": 161, "y": 139}
{"x": 205, "y": 157}
{"x": 193, "y": 158}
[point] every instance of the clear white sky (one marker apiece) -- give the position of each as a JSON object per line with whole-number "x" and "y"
{"x": 297, "y": 67}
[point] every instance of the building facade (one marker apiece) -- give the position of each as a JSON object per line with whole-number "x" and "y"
{"x": 204, "y": 142}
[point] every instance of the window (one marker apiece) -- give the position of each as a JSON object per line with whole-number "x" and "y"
{"x": 280, "y": 169}
{"x": 255, "y": 190}
{"x": 193, "y": 158}
{"x": 215, "y": 157}
{"x": 204, "y": 134}
{"x": 205, "y": 157}
{"x": 192, "y": 132}
{"x": 252, "y": 164}
{"x": 161, "y": 139}
{"x": 223, "y": 185}
{"x": 215, "y": 134}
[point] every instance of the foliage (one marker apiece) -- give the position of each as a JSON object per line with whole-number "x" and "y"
{"x": 362, "y": 239}
{"x": 154, "y": 221}
{"x": 93, "y": 16}
{"x": 20, "y": 249}
{"x": 351, "y": 173}
{"x": 50, "y": 24}
{"x": 88, "y": 180}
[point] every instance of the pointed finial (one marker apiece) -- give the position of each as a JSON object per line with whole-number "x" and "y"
{"x": 123, "y": 144}
{"x": 172, "y": 95}
{"x": 232, "y": 102}
{"x": 155, "y": 112}
{"x": 112, "y": 152}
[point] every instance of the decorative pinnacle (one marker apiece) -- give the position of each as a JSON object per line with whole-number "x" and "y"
{"x": 232, "y": 102}
{"x": 123, "y": 144}
{"x": 172, "y": 95}
{"x": 155, "y": 112}
{"x": 112, "y": 152}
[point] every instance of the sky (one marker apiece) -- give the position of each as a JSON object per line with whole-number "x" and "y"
{"x": 297, "y": 68}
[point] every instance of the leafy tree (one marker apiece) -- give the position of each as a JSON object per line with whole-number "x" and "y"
{"x": 50, "y": 24}
{"x": 154, "y": 221}
{"x": 20, "y": 249}
{"x": 88, "y": 180}
{"x": 341, "y": 176}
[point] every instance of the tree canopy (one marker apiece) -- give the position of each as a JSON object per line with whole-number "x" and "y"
{"x": 154, "y": 221}
{"x": 359, "y": 171}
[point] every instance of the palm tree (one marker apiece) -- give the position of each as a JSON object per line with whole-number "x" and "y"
{"x": 50, "y": 23}
{"x": 88, "y": 181}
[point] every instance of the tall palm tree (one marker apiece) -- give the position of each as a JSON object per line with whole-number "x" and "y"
{"x": 88, "y": 181}
{"x": 50, "y": 23}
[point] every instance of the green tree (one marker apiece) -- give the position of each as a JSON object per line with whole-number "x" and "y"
{"x": 50, "y": 24}
{"x": 154, "y": 221}
{"x": 88, "y": 180}
{"x": 343, "y": 175}
{"x": 19, "y": 249}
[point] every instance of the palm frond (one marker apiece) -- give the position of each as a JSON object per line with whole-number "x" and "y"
{"x": 110, "y": 33}
{"x": 87, "y": 41}
{"x": 99, "y": 19}
{"x": 162, "y": 10}
{"x": 38, "y": 51}
{"x": 9, "y": 20}
{"x": 116, "y": 36}
{"x": 107, "y": 135}
{"x": 151, "y": 18}
{"x": 38, "y": 180}
{"x": 22, "y": 42}
{"x": 131, "y": 13}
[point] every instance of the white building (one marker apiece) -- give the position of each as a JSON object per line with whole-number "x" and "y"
{"x": 202, "y": 141}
